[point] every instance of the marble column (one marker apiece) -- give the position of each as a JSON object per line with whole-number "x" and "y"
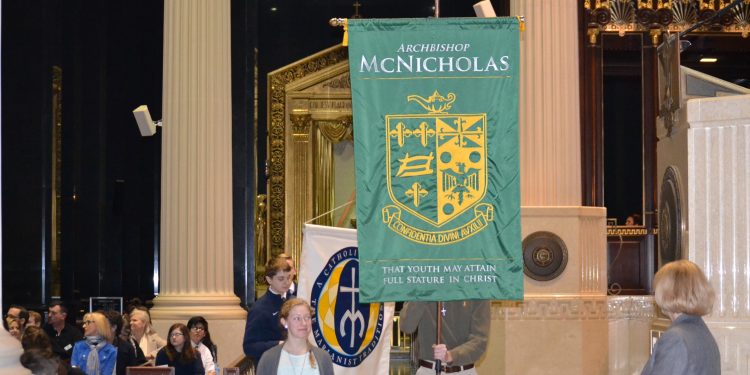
{"x": 718, "y": 193}
{"x": 196, "y": 264}
{"x": 550, "y": 119}
{"x": 561, "y": 326}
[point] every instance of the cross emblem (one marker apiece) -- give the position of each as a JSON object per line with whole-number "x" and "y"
{"x": 416, "y": 192}
{"x": 424, "y": 132}
{"x": 352, "y": 315}
{"x": 399, "y": 133}
{"x": 462, "y": 132}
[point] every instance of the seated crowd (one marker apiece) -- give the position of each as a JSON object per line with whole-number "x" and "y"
{"x": 108, "y": 342}
{"x": 278, "y": 328}
{"x": 275, "y": 339}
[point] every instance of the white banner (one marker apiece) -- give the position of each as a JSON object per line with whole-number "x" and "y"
{"x": 357, "y": 336}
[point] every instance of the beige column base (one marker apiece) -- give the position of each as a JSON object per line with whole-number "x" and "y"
{"x": 10, "y": 352}
{"x": 630, "y": 322}
{"x": 226, "y": 320}
{"x": 557, "y": 335}
{"x": 584, "y": 232}
{"x": 562, "y": 325}
{"x": 183, "y": 307}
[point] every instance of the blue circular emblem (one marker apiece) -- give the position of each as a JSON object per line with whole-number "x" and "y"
{"x": 348, "y": 330}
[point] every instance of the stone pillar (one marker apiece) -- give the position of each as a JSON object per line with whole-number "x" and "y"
{"x": 196, "y": 267}
{"x": 563, "y": 319}
{"x": 718, "y": 193}
{"x": 550, "y": 118}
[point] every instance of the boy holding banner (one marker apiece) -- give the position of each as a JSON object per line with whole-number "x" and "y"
{"x": 465, "y": 326}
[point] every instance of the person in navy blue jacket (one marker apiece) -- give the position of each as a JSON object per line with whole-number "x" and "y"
{"x": 263, "y": 330}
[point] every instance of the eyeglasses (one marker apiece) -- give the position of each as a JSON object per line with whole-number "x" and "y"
{"x": 87, "y": 322}
{"x": 176, "y": 334}
{"x": 198, "y": 329}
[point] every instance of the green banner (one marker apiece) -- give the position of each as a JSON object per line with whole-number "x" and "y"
{"x": 435, "y": 105}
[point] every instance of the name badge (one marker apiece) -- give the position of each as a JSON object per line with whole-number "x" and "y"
{"x": 68, "y": 347}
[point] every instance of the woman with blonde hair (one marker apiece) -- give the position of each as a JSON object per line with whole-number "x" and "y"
{"x": 683, "y": 293}
{"x": 15, "y": 329}
{"x": 95, "y": 354}
{"x": 143, "y": 334}
{"x": 295, "y": 355}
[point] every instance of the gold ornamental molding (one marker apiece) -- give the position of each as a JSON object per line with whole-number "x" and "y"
{"x": 337, "y": 130}
{"x": 301, "y": 123}
{"x": 342, "y": 82}
{"x": 56, "y": 178}
{"x": 622, "y": 231}
{"x": 629, "y": 16}
{"x": 277, "y": 147}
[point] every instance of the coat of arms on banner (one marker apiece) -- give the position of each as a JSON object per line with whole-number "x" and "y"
{"x": 437, "y": 172}
{"x": 348, "y": 330}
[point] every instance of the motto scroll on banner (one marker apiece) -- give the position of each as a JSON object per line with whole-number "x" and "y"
{"x": 435, "y": 105}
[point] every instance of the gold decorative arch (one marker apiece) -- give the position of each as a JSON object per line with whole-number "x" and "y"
{"x": 309, "y": 107}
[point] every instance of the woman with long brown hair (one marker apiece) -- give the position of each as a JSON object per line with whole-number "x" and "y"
{"x": 179, "y": 353}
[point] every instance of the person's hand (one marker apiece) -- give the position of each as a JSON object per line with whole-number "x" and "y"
{"x": 442, "y": 353}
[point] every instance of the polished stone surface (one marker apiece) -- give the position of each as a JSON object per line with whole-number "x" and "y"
{"x": 718, "y": 179}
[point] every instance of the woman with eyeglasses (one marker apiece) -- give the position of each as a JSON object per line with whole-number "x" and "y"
{"x": 95, "y": 354}
{"x": 200, "y": 338}
{"x": 179, "y": 353}
{"x": 295, "y": 355}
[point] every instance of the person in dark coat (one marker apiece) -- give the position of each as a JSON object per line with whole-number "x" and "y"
{"x": 293, "y": 286}
{"x": 62, "y": 335}
{"x": 262, "y": 329}
{"x": 125, "y": 351}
